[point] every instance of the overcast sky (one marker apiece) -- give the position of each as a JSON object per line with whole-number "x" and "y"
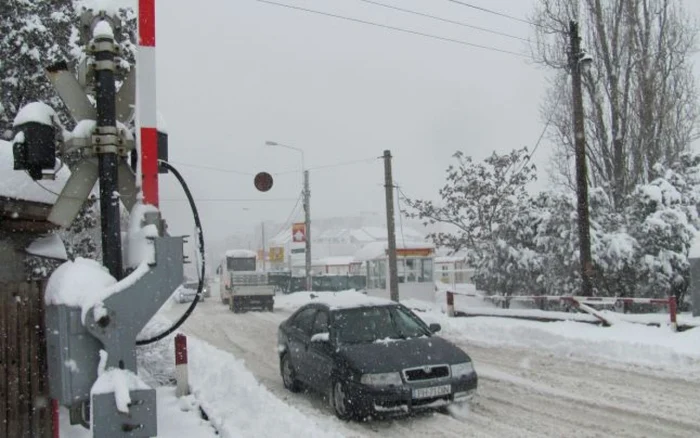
{"x": 233, "y": 74}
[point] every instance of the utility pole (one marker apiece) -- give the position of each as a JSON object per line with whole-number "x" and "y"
{"x": 105, "y": 138}
{"x": 307, "y": 225}
{"x": 575, "y": 64}
{"x": 391, "y": 228}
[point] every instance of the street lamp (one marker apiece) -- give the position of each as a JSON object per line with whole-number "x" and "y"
{"x": 281, "y": 145}
{"x": 307, "y": 210}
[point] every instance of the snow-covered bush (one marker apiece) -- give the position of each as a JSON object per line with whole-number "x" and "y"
{"x": 529, "y": 245}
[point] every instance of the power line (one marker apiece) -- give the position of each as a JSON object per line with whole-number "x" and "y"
{"x": 329, "y": 166}
{"x": 544, "y": 129}
{"x": 97, "y": 198}
{"x": 397, "y": 29}
{"x": 215, "y": 169}
{"x": 445, "y": 20}
{"x": 230, "y": 200}
{"x": 288, "y": 222}
{"x": 491, "y": 11}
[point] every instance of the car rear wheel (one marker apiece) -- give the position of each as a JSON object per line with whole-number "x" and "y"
{"x": 339, "y": 399}
{"x": 289, "y": 377}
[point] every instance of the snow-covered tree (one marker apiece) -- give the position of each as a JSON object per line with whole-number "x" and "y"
{"x": 640, "y": 96}
{"x": 33, "y": 35}
{"x": 476, "y": 199}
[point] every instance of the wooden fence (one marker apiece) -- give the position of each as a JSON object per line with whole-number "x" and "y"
{"x": 25, "y": 409}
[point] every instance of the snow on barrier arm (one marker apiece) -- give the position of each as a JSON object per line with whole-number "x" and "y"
{"x": 582, "y": 303}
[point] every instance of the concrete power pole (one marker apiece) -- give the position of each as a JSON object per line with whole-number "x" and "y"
{"x": 576, "y": 60}
{"x": 262, "y": 228}
{"x": 391, "y": 228}
{"x": 307, "y": 225}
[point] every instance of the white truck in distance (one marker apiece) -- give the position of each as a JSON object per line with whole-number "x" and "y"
{"x": 242, "y": 287}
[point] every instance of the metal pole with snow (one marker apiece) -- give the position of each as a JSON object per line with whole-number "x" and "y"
{"x": 146, "y": 113}
{"x": 105, "y": 138}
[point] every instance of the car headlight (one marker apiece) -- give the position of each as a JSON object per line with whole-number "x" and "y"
{"x": 381, "y": 379}
{"x": 462, "y": 369}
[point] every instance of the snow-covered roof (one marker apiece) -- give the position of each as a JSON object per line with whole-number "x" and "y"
{"x": 334, "y": 261}
{"x": 347, "y": 300}
{"x": 449, "y": 259}
{"x": 240, "y": 253}
{"x": 376, "y": 250}
{"x": 17, "y": 184}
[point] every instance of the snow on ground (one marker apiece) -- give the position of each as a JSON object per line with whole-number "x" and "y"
{"x": 176, "y": 418}
{"x": 523, "y": 392}
{"x": 236, "y": 403}
{"x": 623, "y": 343}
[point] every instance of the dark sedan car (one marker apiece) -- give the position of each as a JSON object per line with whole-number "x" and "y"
{"x": 372, "y": 357}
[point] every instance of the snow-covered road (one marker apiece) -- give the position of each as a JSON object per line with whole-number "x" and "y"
{"x": 522, "y": 393}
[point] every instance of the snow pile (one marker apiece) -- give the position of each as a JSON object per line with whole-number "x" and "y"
{"x": 236, "y": 403}
{"x": 50, "y": 246}
{"x": 37, "y": 112}
{"x": 86, "y": 283}
{"x": 334, "y": 300}
{"x": 18, "y": 184}
{"x": 139, "y": 245}
{"x": 177, "y": 417}
{"x": 119, "y": 382}
{"x": 74, "y": 282}
{"x": 103, "y": 30}
{"x": 623, "y": 343}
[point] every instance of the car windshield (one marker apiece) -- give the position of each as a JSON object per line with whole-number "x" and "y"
{"x": 370, "y": 324}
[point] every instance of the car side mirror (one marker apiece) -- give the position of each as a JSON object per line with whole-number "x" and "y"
{"x": 321, "y": 337}
{"x": 434, "y": 328}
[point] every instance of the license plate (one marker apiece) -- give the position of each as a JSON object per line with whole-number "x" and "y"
{"x": 433, "y": 391}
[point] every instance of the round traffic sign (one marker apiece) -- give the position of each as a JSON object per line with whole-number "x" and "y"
{"x": 263, "y": 181}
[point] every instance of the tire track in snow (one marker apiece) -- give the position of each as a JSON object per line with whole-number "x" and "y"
{"x": 522, "y": 393}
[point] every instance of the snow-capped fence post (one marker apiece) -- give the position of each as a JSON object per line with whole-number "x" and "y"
{"x": 672, "y": 310}
{"x": 55, "y": 418}
{"x": 450, "y": 303}
{"x": 181, "y": 374}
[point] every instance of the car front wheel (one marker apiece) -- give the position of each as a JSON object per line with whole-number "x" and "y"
{"x": 289, "y": 377}
{"x": 339, "y": 399}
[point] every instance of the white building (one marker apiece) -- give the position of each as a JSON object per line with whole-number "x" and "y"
{"x": 414, "y": 265}
{"x": 337, "y": 265}
{"x": 452, "y": 270}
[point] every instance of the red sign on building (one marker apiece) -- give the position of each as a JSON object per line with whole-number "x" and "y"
{"x": 299, "y": 232}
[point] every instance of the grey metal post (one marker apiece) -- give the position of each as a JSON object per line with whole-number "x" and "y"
{"x": 391, "y": 228}
{"x": 307, "y": 225}
{"x": 105, "y": 142}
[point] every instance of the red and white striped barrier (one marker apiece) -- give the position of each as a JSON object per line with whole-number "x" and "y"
{"x": 55, "y": 421}
{"x": 576, "y": 301}
{"x": 450, "y": 304}
{"x": 146, "y": 118}
{"x": 181, "y": 373}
